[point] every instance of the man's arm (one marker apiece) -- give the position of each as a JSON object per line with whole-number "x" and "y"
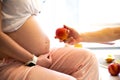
{"x": 101, "y": 36}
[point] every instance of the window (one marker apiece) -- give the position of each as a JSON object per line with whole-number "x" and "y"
{"x": 83, "y": 15}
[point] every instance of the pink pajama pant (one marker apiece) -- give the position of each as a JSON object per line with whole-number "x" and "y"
{"x": 78, "y": 63}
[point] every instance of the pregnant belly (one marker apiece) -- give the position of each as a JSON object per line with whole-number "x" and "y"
{"x": 31, "y": 37}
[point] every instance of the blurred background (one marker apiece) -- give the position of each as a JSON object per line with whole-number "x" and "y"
{"x": 82, "y": 15}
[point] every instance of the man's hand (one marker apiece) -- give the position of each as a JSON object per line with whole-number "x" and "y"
{"x": 73, "y": 37}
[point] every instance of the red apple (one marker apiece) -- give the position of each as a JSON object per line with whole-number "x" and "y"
{"x": 118, "y": 61}
{"x": 114, "y": 68}
{"x": 62, "y": 33}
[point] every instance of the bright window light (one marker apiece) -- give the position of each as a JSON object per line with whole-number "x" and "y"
{"x": 83, "y": 15}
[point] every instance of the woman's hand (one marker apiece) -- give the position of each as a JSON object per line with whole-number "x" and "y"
{"x": 44, "y": 60}
{"x": 74, "y": 36}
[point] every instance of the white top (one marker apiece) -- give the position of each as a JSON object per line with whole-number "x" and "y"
{"x": 16, "y": 12}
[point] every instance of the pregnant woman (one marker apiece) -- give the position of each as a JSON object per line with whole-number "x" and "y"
{"x": 25, "y": 52}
